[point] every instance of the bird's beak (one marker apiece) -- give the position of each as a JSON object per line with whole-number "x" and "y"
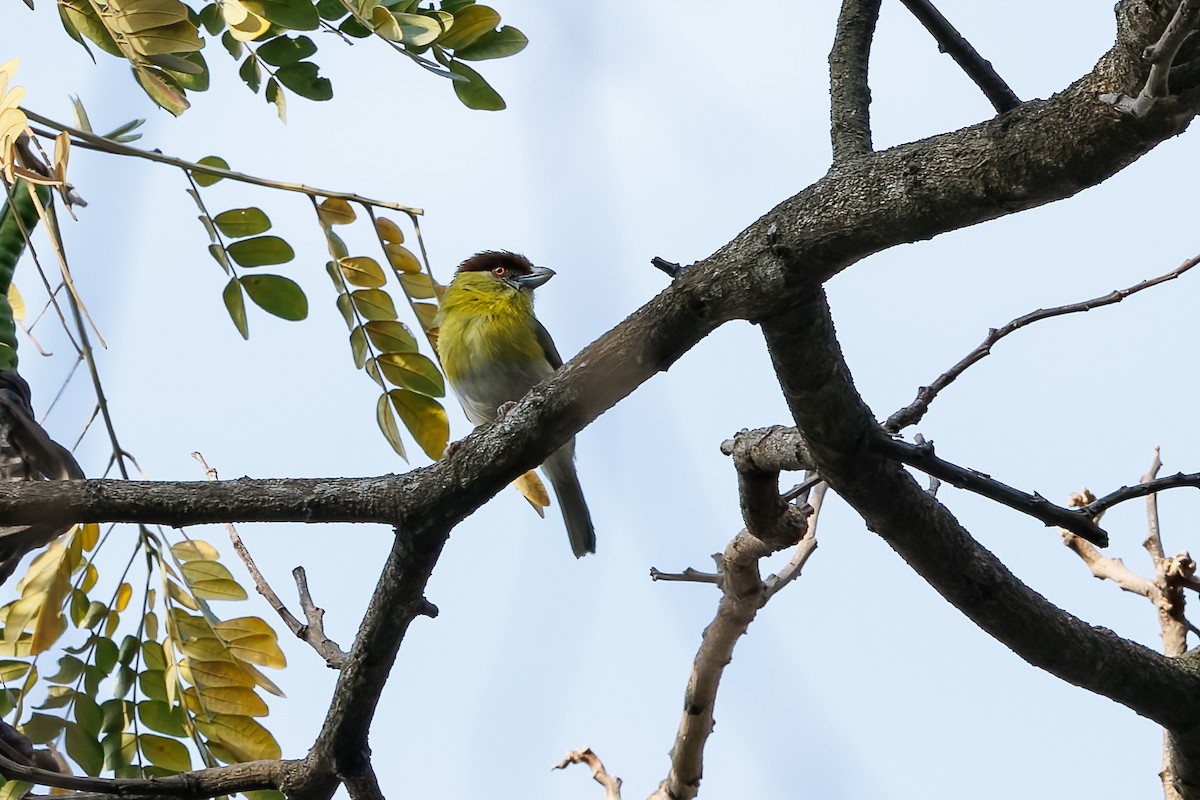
{"x": 536, "y": 277}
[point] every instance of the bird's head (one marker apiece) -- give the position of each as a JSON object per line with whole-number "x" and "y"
{"x": 511, "y": 269}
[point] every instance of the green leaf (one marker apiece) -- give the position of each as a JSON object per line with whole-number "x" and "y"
{"x": 153, "y": 656}
{"x": 425, "y": 419}
{"x": 346, "y": 306}
{"x": 331, "y": 9}
{"x": 353, "y": 28}
{"x": 505, "y": 42}
{"x": 106, "y": 655}
{"x": 42, "y": 728}
{"x": 412, "y": 371}
{"x": 277, "y": 295}
{"x": 235, "y": 47}
{"x": 158, "y": 716}
{"x": 238, "y": 222}
{"x": 57, "y": 697}
{"x": 170, "y": 754}
{"x": 475, "y": 92}
{"x": 358, "y": 349}
{"x": 207, "y": 179}
{"x": 469, "y": 24}
{"x": 297, "y": 15}
{"x": 374, "y": 304}
{"x": 69, "y": 670}
{"x": 191, "y": 73}
{"x": 161, "y": 90}
{"x": 391, "y": 337}
{"x": 116, "y": 715}
{"x": 454, "y": 6}
{"x": 12, "y": 670}
{"x": 302, "y": 79}
{"x": 235, "y": 304}
{"x": 250, "y": 74}
{"x": 336, "y": 211}
{"x": 153, "y": 684}
{"x": 261, "y": 251}
{"x": 128, "y": 649}
{"x": 88, "y": 714}
{"x": 120, "y": 749}
{"x": 275, "y": 95}
{"x": 124, "y": 681}
{"x": 211, "y": 18}
{"x": 387, "y": 423}
{"x": 285, "y": 50}
{"x": 84, "y": 749}
{"x": 219, "y": 255}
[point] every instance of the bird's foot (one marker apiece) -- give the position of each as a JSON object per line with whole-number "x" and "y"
{"x": 504, "y": 408}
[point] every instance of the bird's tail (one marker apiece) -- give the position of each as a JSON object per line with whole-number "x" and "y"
{"x": 560, "y": 469}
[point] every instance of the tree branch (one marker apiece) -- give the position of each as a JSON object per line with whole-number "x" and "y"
{"x": 923, "y": 458}
{"x": 1161, "y": 55}
{"x": 914, "y": 411}
{"x": 839, "y": 429}
{"x": 849, "y": 89}
{"x": 951, "y": 42}
{"x": 611, "y": 783}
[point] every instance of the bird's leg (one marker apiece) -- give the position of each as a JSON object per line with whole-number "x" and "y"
{"x": 504, "y": 408}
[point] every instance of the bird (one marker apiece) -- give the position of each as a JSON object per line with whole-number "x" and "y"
{"x": 27, "y": 453}
{"x": 493, "y": 351}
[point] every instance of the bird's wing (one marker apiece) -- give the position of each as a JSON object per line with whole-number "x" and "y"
{"x": 543, "y": 337}
{"x": 41, "y": 455}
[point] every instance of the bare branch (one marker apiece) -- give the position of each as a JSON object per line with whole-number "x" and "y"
{"x": 611, "y": 783}
{"x": 1161, "y": 56}
{"x": 914, "y": 411}
{"x": 951, "y": 42}
{"x": 689, "y": 575}
{"x": 849, "y": 89}
{"x": 1126, "y": 493}
{"x": 838, "y": 426}
{"x": 922, "y": 457}
{"x": 806, "y": 547}
{"x": 1153, "y": 541}
{"x": 1106, "y": 568}
{"x": 314, "y": 635}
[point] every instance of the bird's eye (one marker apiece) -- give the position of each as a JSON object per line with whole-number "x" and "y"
{"x": 499, "y": 272}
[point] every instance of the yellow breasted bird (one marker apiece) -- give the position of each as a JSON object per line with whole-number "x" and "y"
{"x": 494, "y": 351}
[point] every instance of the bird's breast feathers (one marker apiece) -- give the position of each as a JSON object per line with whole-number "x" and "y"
{"x": 489, "y": 347}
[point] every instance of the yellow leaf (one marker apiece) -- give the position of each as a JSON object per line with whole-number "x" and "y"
{"x": 89, "y": 534}
{"x": 124, "y": 592}
{"x": 426, "y": 312}
{"x": 17, "y": 302}
{"x": 90, "y": 576}
{"x": 210, "y": 674}
{"x": 335, "y": 211}
{"x": 418, "y": 286}
{"x": 363, "y": 271}
{"x": 194, "y": 550}
{"x": 241, "y": 736}
{"x": 238, "y": 700}
{"x": 252, "y": 639}
{"x": 244, "y": 24}
{"x": 176, "y": 593}
{"x": 425, "y": 419}
{"x": 210, "y": 580}
{"x": 532, "y": 489}
{"x": 401, "y": 258}
{"x": 388, "y": 231}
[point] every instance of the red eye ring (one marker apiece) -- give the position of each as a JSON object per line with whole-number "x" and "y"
{"x": 499, "y": 272}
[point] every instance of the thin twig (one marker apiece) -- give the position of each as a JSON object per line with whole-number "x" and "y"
{"x": 951, "y": 42}
{"x": 806, "y": 547}
{"x": 1080, "y": 522}
{"x": 689, "y": 575}
{"x": 1153, "y": 542}
{"x": 1126, "y": 493}
{"x": 914, "y": 411}
{"x": 93, "y": 142}
{"x": 313, "y": 634}
{"x": 611, "y": 783}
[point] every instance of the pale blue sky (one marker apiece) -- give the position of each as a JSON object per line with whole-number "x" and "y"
{"x": 661, "y": 130}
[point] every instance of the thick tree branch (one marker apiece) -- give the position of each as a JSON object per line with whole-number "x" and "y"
{"x": 1161, "y": 55}
{"x": 849, "y": 89}
{"x": 951, "y": 42}
{"x": 839, "y": 430}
